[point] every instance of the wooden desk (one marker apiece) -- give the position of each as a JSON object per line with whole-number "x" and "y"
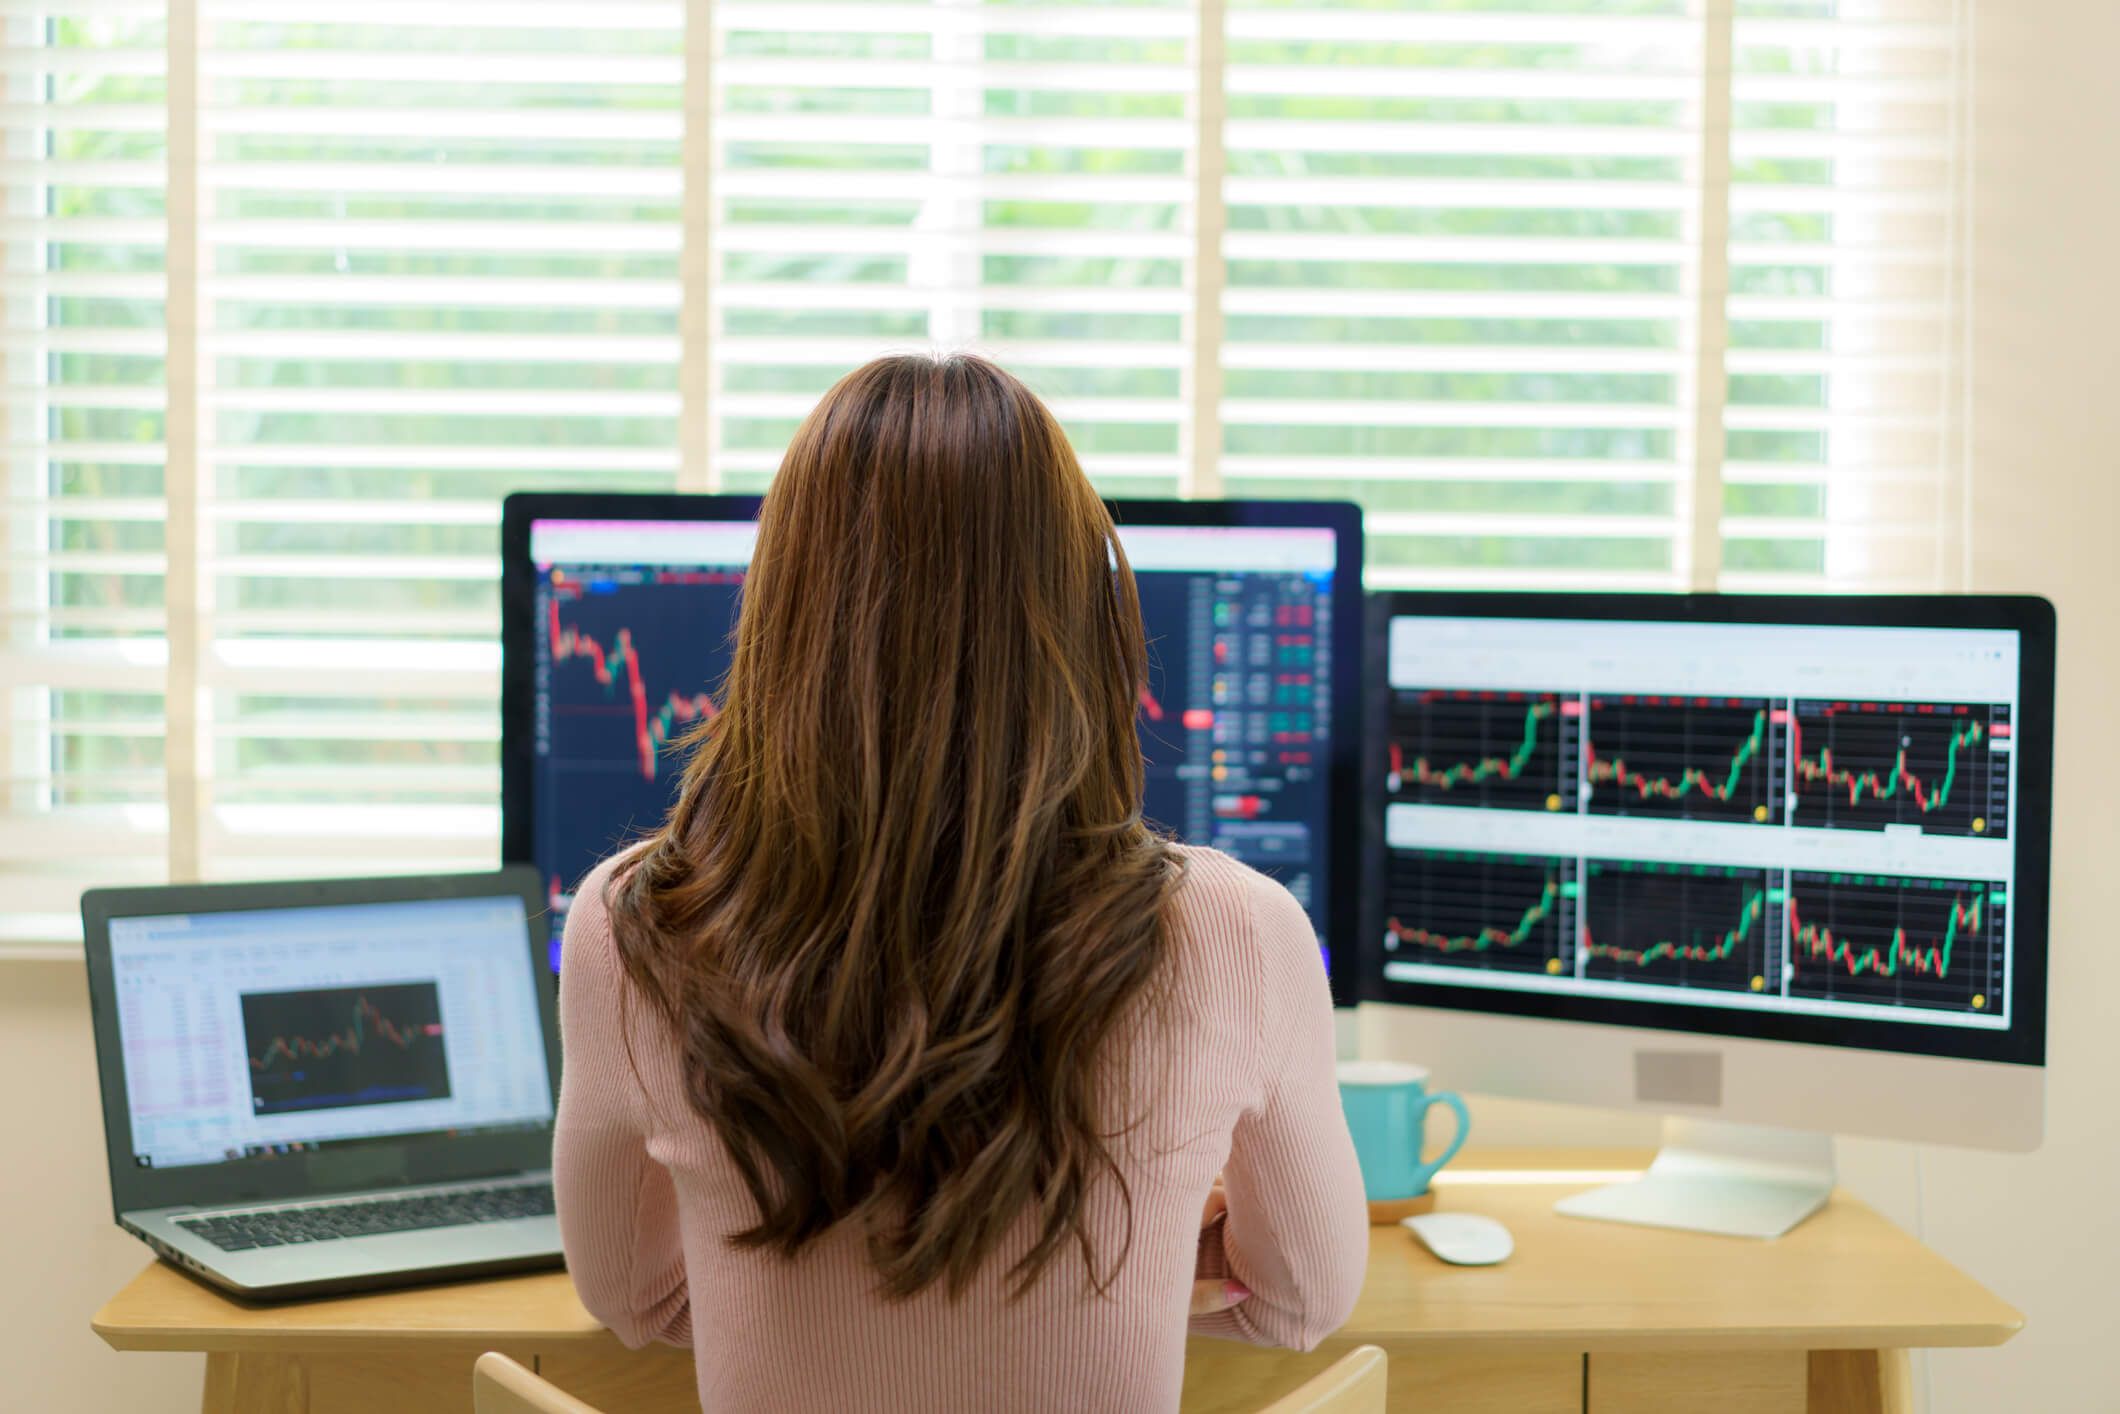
{"x": 1586, "y": 1317}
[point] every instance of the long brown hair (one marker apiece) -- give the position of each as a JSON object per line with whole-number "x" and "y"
{"x": 906, "y": 896}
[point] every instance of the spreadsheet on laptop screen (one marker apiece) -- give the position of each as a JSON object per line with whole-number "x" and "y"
{"x": 254, "y": 1033}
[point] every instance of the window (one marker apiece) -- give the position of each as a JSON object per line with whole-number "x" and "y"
{"x": 82, "y": 289}
{"x": 1464, "y": 261}
{"x": 439, "y": 249}
{"x": 1019, "y": 177}
{"x": 1639, "y": 294}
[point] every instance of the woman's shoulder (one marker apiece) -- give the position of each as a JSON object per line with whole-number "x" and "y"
{"x": 1219, "y": 898}
{"x": 588, "y": 917}
{"x": 1240, "y": 944}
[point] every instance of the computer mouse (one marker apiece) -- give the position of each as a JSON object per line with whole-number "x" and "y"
{"x": 1465, "y": 1239}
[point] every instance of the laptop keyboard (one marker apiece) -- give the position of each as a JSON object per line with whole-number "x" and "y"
{"x": 326, "y": 1222}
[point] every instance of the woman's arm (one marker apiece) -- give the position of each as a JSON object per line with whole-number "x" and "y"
{"x": 1296, "y": 1233}
{"x": 617, "y": 1209}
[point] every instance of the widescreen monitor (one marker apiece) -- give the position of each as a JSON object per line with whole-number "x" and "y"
{"x": 618, "y": 612}
{"x": 1777, "y": 860}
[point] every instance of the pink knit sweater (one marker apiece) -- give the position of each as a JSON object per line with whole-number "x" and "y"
{"x": 1238, "y": 1082}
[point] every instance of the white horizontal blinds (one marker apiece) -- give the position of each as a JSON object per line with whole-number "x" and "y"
{"x": 440, "y": 255}
{"x": 81, "y": 551}
{"x": 1843, "y": 329}
{"x": 1012, "y": 177}
{"x": 1461, "y": 279}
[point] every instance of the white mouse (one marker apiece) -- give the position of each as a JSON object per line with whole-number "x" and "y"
{"x": 1465, "y": 1239}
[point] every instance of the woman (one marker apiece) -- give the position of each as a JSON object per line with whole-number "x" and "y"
{"x": 905, "y": 1067}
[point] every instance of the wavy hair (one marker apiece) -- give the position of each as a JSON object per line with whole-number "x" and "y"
{"x": 906, "y": 896}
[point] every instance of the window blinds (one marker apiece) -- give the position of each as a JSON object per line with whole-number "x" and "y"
{"x": 82, "y": 656}
{"x": 439, "y": 260}
{"x": 1463, "y": 261}
{"x": 1844, "y": 322}
{"x": 1566, "y": 292}
{"x": 1015, "y": 177}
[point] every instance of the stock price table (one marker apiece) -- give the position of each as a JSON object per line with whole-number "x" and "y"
{"x": 1234, "y": 719}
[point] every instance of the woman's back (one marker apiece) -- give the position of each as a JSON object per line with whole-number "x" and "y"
{"x": 1227, "y": 1069}
{"x": 905, "y": 1054}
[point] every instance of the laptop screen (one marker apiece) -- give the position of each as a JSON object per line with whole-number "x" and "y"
{"x": 257, "y": 1033}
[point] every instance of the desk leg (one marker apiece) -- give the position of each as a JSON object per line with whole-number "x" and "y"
{"x": 255, "y": 1384}
{"x": 1861, "y": 1382}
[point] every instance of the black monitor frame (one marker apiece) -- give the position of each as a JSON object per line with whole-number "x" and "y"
{"x": 420, "y": 1157}
{"x": 1343, "y": 852}
{"x": 2030, "y": 617}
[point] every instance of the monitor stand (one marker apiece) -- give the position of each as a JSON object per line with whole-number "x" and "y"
{"x": 1738, "y": 1179}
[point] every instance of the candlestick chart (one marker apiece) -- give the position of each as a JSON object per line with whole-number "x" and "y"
{"x": 331, "y": 1047}
{"x": 629, "y": 660}
{"x": 1505, "y": 750}
{"x": 1688, "y": 925}
{"x": 1500, "y": 912}
{"x": 1897, "y": 941}
{"x": 1688, "y": 758}
{"x": 1942, "y": 768}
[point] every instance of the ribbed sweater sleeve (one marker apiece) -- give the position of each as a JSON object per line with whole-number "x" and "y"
{"x": 618, "y": 1211}
{"x": 1297, "y": 1230}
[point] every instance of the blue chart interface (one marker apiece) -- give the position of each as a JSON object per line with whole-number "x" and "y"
{"x": 635, "y": 623}
{"x": 1236, "y": 718}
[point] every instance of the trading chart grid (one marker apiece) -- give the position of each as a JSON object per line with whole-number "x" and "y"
{"x": 1812, "y": 820}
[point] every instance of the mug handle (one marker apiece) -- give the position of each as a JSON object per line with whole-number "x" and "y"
{"x": 1430, "y": 1168}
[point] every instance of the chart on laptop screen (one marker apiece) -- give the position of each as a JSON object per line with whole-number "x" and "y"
{"x": 1815, "y": 820}
{"x": 260, "y": 1032}
{"x": 634, "y": 624}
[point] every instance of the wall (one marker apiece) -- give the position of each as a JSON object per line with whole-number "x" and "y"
{"x": 2043, "y": 1229}
{"x": 63, "y": 1255}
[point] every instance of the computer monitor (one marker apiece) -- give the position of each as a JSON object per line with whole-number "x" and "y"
{"x": 618, "y": 611}
{"x": 1779, "y": 861}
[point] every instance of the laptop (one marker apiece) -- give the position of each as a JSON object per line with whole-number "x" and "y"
{"x": 329, "y": 1086}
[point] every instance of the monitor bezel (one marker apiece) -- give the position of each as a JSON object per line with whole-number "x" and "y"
{"x": 1343, "y": 852}
{"x": 2032, "y": 618}
{"x": 427, "y": 1156}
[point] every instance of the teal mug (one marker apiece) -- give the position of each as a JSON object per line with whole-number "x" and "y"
{"x": 1387, "y": 1112}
